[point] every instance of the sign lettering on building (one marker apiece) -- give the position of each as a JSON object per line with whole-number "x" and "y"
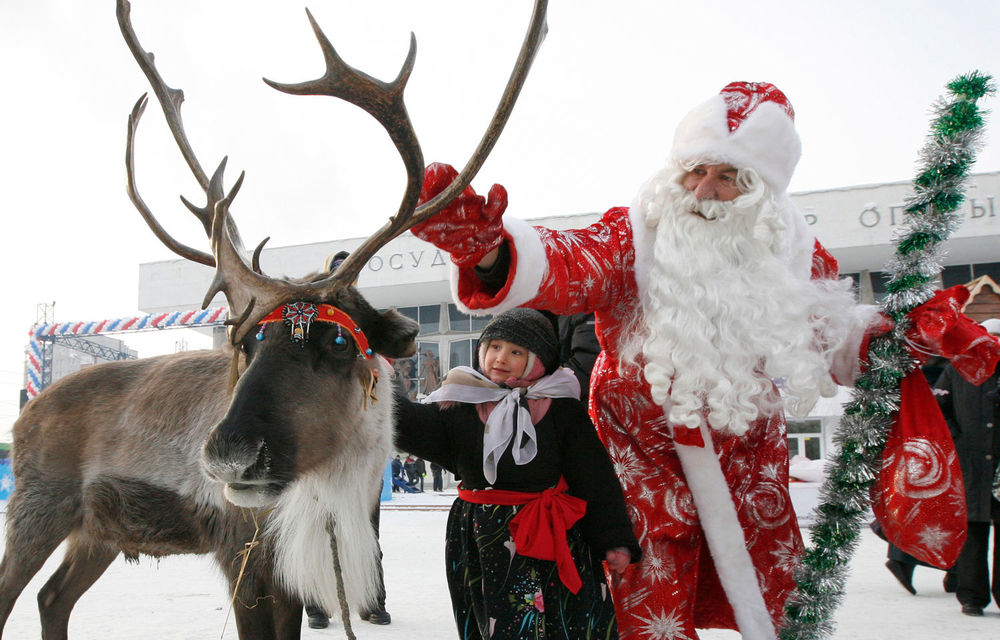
{"x": 407, "y": 260}
{"x": 872, "y": 215}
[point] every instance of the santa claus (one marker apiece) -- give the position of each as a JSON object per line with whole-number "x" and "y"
{"x": 709, "y": 293}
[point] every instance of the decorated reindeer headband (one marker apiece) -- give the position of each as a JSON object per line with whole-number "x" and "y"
{"x": 299, "y": 316}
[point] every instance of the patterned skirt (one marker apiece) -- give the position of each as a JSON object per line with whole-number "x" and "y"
{"x": 497, "y": 594}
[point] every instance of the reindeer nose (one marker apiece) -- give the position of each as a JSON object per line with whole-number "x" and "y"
{"x": 231, "y": 459}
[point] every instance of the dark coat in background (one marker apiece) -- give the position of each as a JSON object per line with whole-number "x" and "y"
{"x": 971, "y": 414}
{"x": 578, "y": 346}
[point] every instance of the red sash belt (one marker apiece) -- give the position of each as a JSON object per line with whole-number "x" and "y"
{"x": 539, "y": 529}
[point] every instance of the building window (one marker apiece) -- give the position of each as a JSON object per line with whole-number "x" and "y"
{"x": 427, "y": 316}
{"x": 428, "y": 373}
{"x": 991, "y": 269}
{"x": 462, "y": 353}
{"x": 879, "y": 281}
{"x": 459, "y": 321}
{"x": 957, "y": 274}
{"x": 406, "y": 373}
{"x": 805, "y": 438}
{"x": 855, "y": 282}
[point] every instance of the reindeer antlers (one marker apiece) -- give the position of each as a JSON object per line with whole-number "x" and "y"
{"x": 252, "y": 295}
{"x": 384, "y": 101}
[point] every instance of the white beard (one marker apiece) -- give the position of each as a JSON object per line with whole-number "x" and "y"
{"x": 723, "y": 316}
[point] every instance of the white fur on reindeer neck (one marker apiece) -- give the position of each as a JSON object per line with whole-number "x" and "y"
{"x": 344, "y": 489}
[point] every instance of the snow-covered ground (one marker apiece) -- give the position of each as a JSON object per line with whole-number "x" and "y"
{"x": 183, "y": 597}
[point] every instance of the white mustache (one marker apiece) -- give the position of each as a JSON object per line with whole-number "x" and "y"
{"x": 708, "y": 209}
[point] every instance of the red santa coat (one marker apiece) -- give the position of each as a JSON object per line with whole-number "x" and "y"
{"x": 675, "y": 587}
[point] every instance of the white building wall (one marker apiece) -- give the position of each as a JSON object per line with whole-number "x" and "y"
{"x": 855, "y": 223}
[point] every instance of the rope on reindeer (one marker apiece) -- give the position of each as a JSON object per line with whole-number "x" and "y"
{"x": 930, "y": 218}
{"x": 345, "y": 610}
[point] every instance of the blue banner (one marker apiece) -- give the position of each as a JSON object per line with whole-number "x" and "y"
{"x": 6, "y": 478}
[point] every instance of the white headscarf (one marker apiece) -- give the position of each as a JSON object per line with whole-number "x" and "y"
{"x": 510, "y": 418}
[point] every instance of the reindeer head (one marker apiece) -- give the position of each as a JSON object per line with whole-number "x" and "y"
{"x": 310, "y": 347}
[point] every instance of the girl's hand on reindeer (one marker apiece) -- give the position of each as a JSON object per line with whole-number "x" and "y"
{"x": 618, "y": 559}
{"x": 470, "y": 227}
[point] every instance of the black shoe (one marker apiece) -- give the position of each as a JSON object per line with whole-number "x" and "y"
{"x": 950, "y": 582}
{"x": 903, "y": 573}
{"x": 972, "y": 610}
{"x": 379, "y": 616}
{"x": 318, "y": 621}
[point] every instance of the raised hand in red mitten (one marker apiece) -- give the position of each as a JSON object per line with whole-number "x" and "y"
{"x": 939, "y": 327}
{"x": 469, "y": 227}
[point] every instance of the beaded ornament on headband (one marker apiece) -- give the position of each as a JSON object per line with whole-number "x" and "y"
{"x": 299, "y": 316}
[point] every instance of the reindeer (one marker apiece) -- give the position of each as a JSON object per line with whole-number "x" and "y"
{"x": 265, "y": 452}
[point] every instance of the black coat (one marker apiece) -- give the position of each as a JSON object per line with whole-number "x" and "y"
{"x": 567, "y": 446}
{"x": 578, "y": 346}
{"x": 971, "y": 414}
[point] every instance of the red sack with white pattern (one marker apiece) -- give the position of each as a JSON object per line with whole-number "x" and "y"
{"x": 920, "y": 499}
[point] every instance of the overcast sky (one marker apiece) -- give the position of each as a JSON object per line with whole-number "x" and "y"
{"x": 594, "y": 120}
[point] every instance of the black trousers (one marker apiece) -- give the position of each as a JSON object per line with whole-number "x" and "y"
{"x": 972, "y": 567}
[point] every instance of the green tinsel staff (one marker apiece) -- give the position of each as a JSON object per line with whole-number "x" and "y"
{"x": 931, "y": 216}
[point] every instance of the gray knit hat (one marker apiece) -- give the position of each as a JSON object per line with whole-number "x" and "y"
{"x": 529, "y": 329}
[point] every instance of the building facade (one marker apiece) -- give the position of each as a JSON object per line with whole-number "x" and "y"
{"x": 855, "y": 223}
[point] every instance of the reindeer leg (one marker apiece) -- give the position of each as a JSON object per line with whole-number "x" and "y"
{"x": 275, "y": 617}
{"x": 287, "y": 618}
{"x": 262, "y": 610}
{"x": 80, "y": 569}
{"x": 39, "y": 517}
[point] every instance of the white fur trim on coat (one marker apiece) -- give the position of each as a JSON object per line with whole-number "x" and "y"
{"x": 724, "y": 536}
{"x": 530, "y": 264}
{"x": 642, "y": 241}
{"x": 846, "y": 363}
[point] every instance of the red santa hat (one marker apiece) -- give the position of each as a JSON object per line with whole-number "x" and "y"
{"x": 748, "y": 124}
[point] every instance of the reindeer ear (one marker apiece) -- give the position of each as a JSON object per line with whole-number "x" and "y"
{"x": 395, "y": 336}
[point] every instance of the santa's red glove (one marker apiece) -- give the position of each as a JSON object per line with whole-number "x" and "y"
{"x": 939, "y": 327}
{"x": 469, "y": 227}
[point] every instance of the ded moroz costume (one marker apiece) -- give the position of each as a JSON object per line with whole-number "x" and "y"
{"x": 705, "y": 291}
{"x": 698, "y": 308}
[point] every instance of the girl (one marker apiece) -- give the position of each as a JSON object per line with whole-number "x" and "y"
{"x": 539, "y": 506}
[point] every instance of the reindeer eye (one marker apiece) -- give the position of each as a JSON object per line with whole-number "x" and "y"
{"x": 249, "y": 345}
{"x": 340, "y": 342}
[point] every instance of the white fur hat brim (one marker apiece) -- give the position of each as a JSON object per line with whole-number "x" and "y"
{"x": 765, "y": 141}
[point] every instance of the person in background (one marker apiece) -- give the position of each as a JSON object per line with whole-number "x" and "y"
{"x": 410, "y": 469}
{"x": 971, "y": 414}
{"x": 437, "y": 472}
{"x": 397, "y": 474}
{"x": 578, "y": 346}
{"x": 539, "y": 507}
{"x": 421, "y": 470}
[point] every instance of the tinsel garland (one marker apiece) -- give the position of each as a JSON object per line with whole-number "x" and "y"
{"x": 930, "y": 217}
